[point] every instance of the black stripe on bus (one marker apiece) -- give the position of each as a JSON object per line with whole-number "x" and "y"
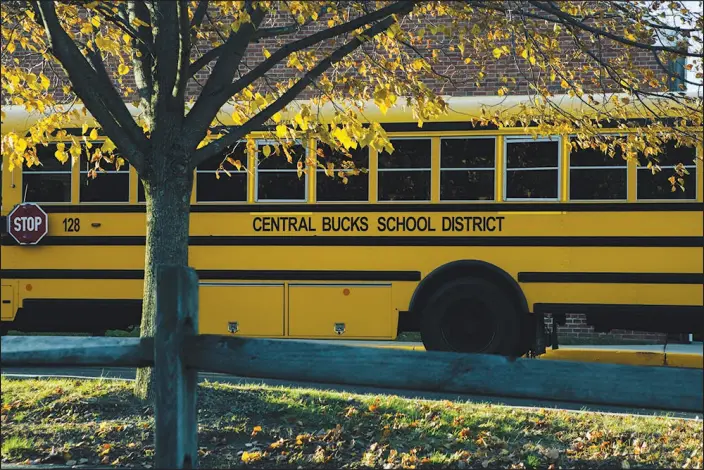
{"x": 217, "y": 274}
{"x": 613, "y": 278}
{"x": 615, "y": 309}
{"x": 655, "y": 318}
{"x": 276, "y": 240}
{"x": 692, "y": 206}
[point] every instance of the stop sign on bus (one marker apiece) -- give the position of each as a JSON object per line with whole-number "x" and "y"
{"x": 27, "y": 223}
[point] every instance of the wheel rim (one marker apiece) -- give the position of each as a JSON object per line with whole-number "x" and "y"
{"x": 468, "y": 325}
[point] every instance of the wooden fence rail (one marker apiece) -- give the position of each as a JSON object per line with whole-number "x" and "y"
{"x": 177, "y": 353}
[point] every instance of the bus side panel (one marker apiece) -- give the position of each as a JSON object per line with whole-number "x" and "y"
{"x": 9, "y": 301}
{"x": 340, "y": 310}
{"x": 247, "y": 309}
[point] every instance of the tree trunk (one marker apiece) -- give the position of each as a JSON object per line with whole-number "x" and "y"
{"x": 168, "y": 193}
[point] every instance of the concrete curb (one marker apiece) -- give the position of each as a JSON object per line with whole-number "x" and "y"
{"x": 690, "y": 361}
{"x": 607, "y": 356}
{"x": 637, "y": 355}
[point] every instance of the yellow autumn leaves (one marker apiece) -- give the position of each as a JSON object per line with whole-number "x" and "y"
{"x": 21, "y": 149}
{"x": 14, "y": 80}
{"x": 384, "y": 98}
{"x": 391, "y": 68}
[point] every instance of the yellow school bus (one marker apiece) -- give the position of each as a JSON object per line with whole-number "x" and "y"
{"x": 468, "y": 235}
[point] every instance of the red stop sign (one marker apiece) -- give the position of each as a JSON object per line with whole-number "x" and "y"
{"x": 27, "y": 223}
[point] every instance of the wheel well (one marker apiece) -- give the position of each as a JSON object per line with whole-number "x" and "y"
{"x": 77, "y": 315}
{"x": 463, "y": 268}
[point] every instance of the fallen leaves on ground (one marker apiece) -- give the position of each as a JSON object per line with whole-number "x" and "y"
{"x": 91, "y": 423}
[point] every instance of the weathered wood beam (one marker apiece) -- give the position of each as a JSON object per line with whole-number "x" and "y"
{"x": 599, "y": 384}
{"x": 175, "y": 386}
{"x": 564, "y": 381}
{"x": 27, "y": 351}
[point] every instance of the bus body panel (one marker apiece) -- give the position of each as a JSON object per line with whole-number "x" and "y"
{"x": 266, "y": 306}
{"x": 349, "y": 270}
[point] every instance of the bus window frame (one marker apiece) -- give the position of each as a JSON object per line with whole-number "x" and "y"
{"x": 82, "y": 172}
{"x": 257, "y": 143}
{"x": 570, "y": 167}
{"x": 494, "y": 169}
{"x": 196, "y": 171}
{"x": 379, "y": 170}
{"x": 509, "y": 139}
{"x": 692, "y": 171}
{"x": 69, "y": 172}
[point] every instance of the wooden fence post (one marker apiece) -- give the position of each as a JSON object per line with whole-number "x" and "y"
{"x": 176, "y": 423}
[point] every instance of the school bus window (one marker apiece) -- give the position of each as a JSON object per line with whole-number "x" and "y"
{"x": 277, "y": 179}
{"x": 532, "y": 169}
{"x": 404, "y": 175}
{"x": 333, "y": 188}
{"x": 213, "y": 187}
{"x": 48, "y": 182}
{"x": 108, "y": 185}
{"x": 657, "y": 186}
{"x": 594, "y": 175}
{"x": 467, "y": 168}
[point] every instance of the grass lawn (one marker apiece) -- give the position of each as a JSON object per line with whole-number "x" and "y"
{"x": 99, "y": 421}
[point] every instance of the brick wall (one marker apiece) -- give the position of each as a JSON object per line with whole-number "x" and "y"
{"x": 576, "y": 331}
{"x": 464, "y": 78}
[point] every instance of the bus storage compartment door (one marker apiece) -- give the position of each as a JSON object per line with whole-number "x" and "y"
{"x": 241, "y": 309}
{"x": 340, "y": 310}
{"x": 7, "y": 298}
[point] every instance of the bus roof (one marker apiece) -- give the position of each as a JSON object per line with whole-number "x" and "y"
{"x": 462, "y": 108}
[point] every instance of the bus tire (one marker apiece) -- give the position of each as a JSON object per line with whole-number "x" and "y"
{"x": 473, "y": 316}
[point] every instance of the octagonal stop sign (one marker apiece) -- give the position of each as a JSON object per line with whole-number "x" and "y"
{"x": 27, "y": 223}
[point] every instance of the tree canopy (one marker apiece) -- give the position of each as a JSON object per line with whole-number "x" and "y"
{"x": 129, "y": 63}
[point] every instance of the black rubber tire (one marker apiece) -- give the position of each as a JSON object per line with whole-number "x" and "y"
{"x": 499, "y": 333}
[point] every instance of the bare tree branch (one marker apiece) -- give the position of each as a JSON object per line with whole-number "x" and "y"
{"x": 215, "y": 52}
{"x": 142, "y": 65}
{"x": 260, "y": 118}
{"x": 117, "y": 20}
{"x": 263, "y": 33}
{"x": 262, "y": 68}
{"x": 671, "y": 74}
{"x": 184, "y": 51}
{"x": 98, "y": 95}
{"x": 165, "y": 28}
{"x": 205, "y": 59}
{"x": 569, "y": 19}
{"x": 206, "y": 107}
{"x": 199, "y": 14}
{"x": 432, "y": 69}
{"x": 96, "y": 59}
{"x": 277, "y": 31}
{"x": 659, "y": 25}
